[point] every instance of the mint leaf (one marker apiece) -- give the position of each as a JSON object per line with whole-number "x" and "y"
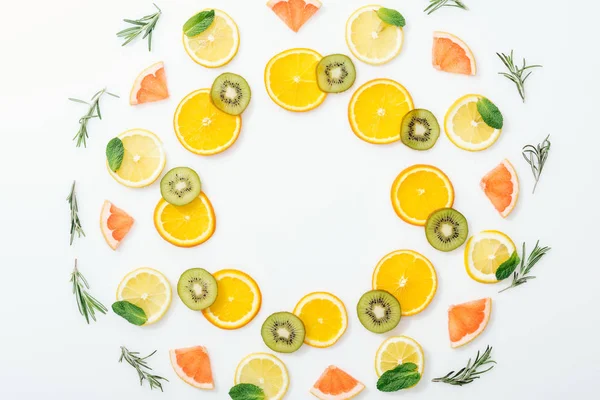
{"x": 402, "y": 377}
{"x": 508, "y": 267}
{"x": 114, "y": 153}
{"x": 490, "y": 113}
{"x": 198, "y": 23}
{"x": 130, "y": 312}
{"x": 391, "y": 17}
{"x": 246, "y": 391}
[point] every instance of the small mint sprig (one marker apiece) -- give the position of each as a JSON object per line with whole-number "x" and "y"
{"x": 404, "y": 376}
{"x": 391, "y": 17}
{"x": 490, "y": 114}
{"x": 198, "y": 23}
{"x": 246, "y": 391}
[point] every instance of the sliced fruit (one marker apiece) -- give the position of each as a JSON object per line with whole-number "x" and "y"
{"x": 201, "y": 127}
{"x": 283, "y": 332}
{"x": 451, "y": 54}
{"x": 185, "y": 226}
{"x": 150, "y": 85}
{"x": 148, "y": 289}
{"x": 143, "y": 161}
{"x": 370, "y": 39}
{"x": 485, "y": 252}
{"x": 197, "y": 289}
{"x": 420, "y": 129}
{"x": 410, "y": 277}
{"x": 378, "y": 311}
{"x": 420, "y": 190}
{"x": 114, "y": 224}
{"x": 230, "y": 93}
{"x": 217, "y": 45}
{"x": 399, "y": 350}
{"x": 291, "y": 80}
{"x": 335, "y": 384}
{"x": 294, "y": 13}
{"x": 238, "y": 300}
{"x": 324, "y": 316}
{"x": 466, "y": 321}
{"x": 465, "y": 127}
{"x": 335, "y": 73}
{"x": 180, "y": 186}
{"x": 376, "y": 110}
{"x": 192, "y": 364}
{"x": 501, "y": 186}
{"x": 265, "y": 371}
{"x": 446, "y": 229}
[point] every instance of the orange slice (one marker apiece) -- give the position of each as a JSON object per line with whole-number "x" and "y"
{"x": 324, "y": 316}
{"x": 501, "y": 186}
{"x": 114, "y": 224}
{"x": 335, "y": 384}
{"x": 466, "y": 321}
{"x": 294, "y": 13}
{"x": 192, "y": 365}
{"x": 150, "y": 85}
{"x": 451, "y": 54}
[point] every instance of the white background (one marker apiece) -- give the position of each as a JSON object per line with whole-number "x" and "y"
{"x": 301, "y": 203}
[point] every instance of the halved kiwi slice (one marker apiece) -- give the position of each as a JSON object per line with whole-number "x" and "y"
{"x": 180, "y": 186}
{"x": 378, "y": 311}
{"x": 197, "y": 288}
{"x": 420, "y": 129}
{"x": 283, "y": 332}
{"x": 230, "y": 93}
{"x": 446, "y": 229}
{"x": 335, "y": 73}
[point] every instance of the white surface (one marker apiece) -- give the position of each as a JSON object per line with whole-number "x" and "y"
{"x": 301, "y": 203}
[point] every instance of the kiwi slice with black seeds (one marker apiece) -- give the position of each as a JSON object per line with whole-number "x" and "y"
{"x": 335, "y": 73}
{"x": 180, "y": 186}
{"x": 446, "y": 229}
{"x": 420, "y": 129}
{"x": 283, "y": 332}
{"x": 197, "y": 288}
{"x": 378, "y": 311}
{"x": 230, "y": 93}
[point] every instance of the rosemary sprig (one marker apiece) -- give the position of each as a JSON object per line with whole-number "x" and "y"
{"x": 86, "y": 303}
{"x": 437, "y": 4}
{"x": 515, "y": 73}
{"x": 142, "y": 368}
{"x": 522, "y": 275}
{"x": 145, "y": 25}
{"x": 93, "y": 112}
{"x": 536, "y": 157}
{"x": 469, "y": 373}
{"x": 75, "y": 222}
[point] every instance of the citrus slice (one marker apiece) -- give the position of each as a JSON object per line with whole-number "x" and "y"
{"x": 324, "y": 316}
{"x": 148, "y": 289}
{"x": 192, "y": 365}
{"x": 265, "y": 371}
{"x": 485, "y": 252}
{"x": 217, "y": 45}
{"x": 450, "y": 54}
{"x": 409, "y": 276}
{"x": 335, "y": 384}
{"x": 150, "y": 85}
{"x": 501, "y": 186}
{"x": 294, "y": 13}
{"x": 376, "y": 110}
{"x": 466, "y": 321}
{"x": 420, "y": 190}
{"x": 114, "y": 224}
{"x": 399, "y": 350}
{"x": 238, "y": 300}
{"x": 201, "y": 127}
{"x": 370, "y": 39}
{"x": 188, "y": 225}
{"x": 143, "y": 160}
{"x": 291, "y": 80}
{"x": 465, "y": 127}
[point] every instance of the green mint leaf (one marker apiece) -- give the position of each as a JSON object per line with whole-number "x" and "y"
{"x": 401, "y": 377}
{"x": 130, "y": 312}
{"x": 246, "y": 391}
{"x": 490, "y": 113}
{"x": 114, "y": 153}
{"x": 508, "y": 267}
{"x": 391, "y": 17}
{"x": 198, "y": 23}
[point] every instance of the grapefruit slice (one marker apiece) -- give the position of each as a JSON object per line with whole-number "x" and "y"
{"x": 192, "y": 364}
{"x": 335, "y": 384}
{"x": 294, "y": 13}
{"x": 451, "y": 54}
{"x": 114, "y": 223}
{"x": 150, "y": 85}
{"x": 501, "y": 186}
{"x": 466, "y": 321}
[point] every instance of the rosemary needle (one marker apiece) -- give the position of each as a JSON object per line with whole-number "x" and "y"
{"x": 142, "y": 368}
{"x": 437, "y": 4}
{"x": 86, "y": 303}
{"x": 522, "y": 275}
{"x": 93, "y": 112}
{"x": 75, "y": 222}
{"x": 469, "y": 373}
{"x": 515, "y": 73}
{"x": 144, "y": 25}
{"x": 536, "y": 157}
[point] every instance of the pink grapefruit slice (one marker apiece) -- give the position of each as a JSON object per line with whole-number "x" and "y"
{"x": 150, "y": 85}
{"x": 335, "y": 384}
{"x": 501, "y": 186}
{"x": 114, "y": 223}
{"x": 451, "y": 54}
{"x": 466, "y": 321}
{"x": 294, "y": 13}
{"x": 192, "y": 365}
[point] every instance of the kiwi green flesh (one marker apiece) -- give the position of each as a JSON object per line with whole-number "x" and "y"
{"x": 335, "y": 73}
{"x": 446, "y": 229}
{"x": 378, "y": 311}
{"x": 230, "y": 93}
{"x": 283, "y": 332}
{"x": 420, "y": 129}
{"x": 197, "y": 289}
{"x": 180, "y": 186}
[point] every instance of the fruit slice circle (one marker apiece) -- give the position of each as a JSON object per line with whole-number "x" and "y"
{"x": 148, "y": 289}
{"x": 399, "y": 350}
{"x": 466, "y": 321}
{"x": 192, "y": 365}
{"x": 324, "y": 316}
{"x": 465, "y": 127}
{"x": 485, "y": 252}
{"x": 265, "y": 371}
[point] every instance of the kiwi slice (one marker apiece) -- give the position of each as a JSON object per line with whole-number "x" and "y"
{"x": 197, "y": 288}
{"x": 420, "y": 129}
{"x": 446, "y": 229}
{"x": 378, "y": 311}
{"x": 283, "y": 332}
{"x": 180, "y": 186}
{"x": 335, "y": 73}
{"x": 230, "y": 93}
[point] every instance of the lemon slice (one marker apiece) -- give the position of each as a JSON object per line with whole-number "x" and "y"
{"x": 217, "y": 45}
{"x": 399, "y": 350}
{"x": 148, "y": 289}
{"x": 485, "y": 252}
{"x": 265, "y": 371}
{"x": 465, "y": 127}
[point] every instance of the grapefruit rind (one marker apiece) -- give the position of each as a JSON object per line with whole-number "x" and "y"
{"x": 514, "y": 179}
{"x": 471, "y": 336}
{"x": 188, "y": 379}
{"x": 456, "y": 40}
